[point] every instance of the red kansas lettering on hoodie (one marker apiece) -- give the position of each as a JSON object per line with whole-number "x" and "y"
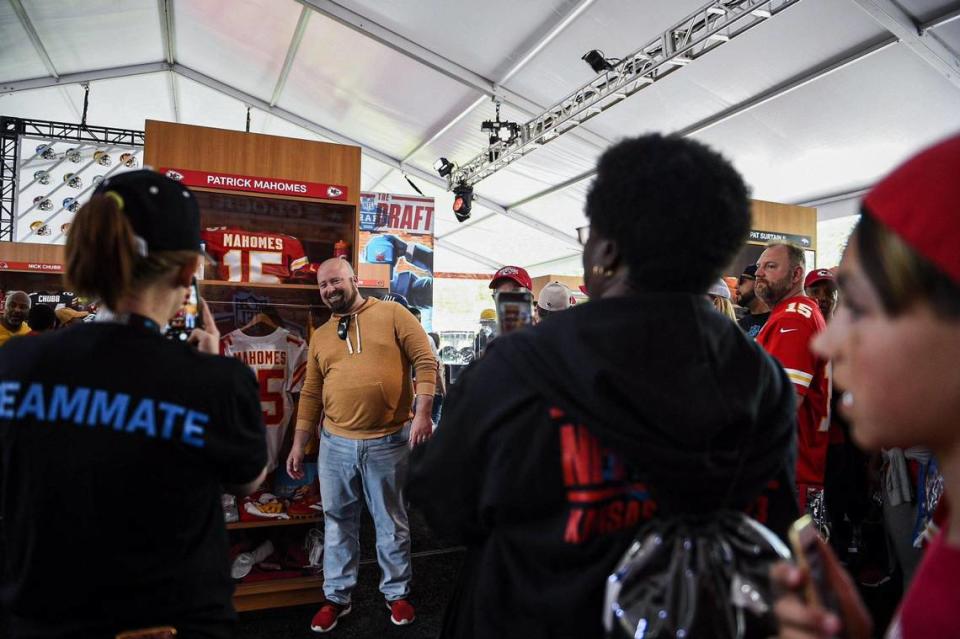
{"x": 601, "y": 496}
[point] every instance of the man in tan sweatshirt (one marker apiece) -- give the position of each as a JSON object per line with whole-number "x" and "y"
{"x": 359, "y": 382}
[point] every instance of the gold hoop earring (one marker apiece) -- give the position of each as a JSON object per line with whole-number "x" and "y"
{"x": 599, "y": 271}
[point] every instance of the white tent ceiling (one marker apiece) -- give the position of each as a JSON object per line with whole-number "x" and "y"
{"x": 820, "y": 99}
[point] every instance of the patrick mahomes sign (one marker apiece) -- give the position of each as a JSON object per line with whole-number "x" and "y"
{"x": 276, "y": 186}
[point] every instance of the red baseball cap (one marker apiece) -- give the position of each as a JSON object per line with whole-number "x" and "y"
{"x": 919, "y": 202}
{"x": 515, "y": 273}
{"x": 819, "y": 275}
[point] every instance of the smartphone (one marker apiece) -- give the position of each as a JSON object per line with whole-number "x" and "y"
{"x": 187, "y": 318}
{"x": 514, "y": 311}
{"x": 804, "y": 539}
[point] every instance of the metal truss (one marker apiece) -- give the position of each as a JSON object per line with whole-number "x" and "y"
{"x": 11, "y": 129}
{"x": 74, "y": 132}
{"x": 928, "y": 48}
{"x": 9, "y": 150}
{"x": 709, "y": 27}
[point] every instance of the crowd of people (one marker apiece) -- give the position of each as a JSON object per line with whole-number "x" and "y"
{"x": 669, "y": 402}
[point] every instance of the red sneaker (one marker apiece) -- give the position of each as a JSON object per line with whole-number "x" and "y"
{"x": 401, "y": 612}
{"x": 326, "y": 618}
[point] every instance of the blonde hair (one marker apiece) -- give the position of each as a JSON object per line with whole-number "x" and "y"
{"x": 725, "y": 306}
{"x": 102, "y": 257}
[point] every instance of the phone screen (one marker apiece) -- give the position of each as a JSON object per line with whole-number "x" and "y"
{"x": 806, "y": 547}
{"x": 514, "y": 311}
{"x": 187, "y": 318}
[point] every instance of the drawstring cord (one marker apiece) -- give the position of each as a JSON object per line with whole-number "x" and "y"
{"x": 347, "y": 340}
{"x": 359, "y": 347}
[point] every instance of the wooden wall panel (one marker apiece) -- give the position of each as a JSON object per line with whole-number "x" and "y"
{"x": 570, "y": 281}
{"x": 219, "y": 150}
{"x": 785, "y": 218}
{"x": 29, "y": 252}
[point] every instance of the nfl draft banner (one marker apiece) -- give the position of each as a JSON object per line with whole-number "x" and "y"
{"x": 397, "y": 230}
{"x": 249, "y": 183}
{"x": 56, "y": 177}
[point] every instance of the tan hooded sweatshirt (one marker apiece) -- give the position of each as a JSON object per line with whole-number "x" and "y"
{"x": 362, "y": 385}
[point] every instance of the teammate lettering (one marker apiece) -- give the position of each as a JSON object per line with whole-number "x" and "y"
{"x": 794, "y": 320}
{"x": 254, "y": 256}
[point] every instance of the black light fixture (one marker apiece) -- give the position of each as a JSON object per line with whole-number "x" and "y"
{"x": 462, "y": 201}
{"x": 443, "y": 166}
{"x": 500, "y": 130}
{"x": 597, "y": 61}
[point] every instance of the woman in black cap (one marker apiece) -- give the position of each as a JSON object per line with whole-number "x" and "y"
{"x": 116, "y": 444}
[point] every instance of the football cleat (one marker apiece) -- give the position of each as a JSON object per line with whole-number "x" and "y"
{"x": 305, "y": 501}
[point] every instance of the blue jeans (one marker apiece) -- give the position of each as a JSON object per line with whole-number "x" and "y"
{"x": 374, "y": 470}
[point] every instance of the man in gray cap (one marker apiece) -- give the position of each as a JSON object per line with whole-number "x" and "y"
{"x": 553, "y": 297}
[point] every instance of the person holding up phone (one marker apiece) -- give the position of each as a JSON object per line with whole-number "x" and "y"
{"x": 895, "y": 344}
{"x": 116, "y": 443}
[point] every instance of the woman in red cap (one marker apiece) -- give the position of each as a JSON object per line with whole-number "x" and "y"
{"x": 895, "y": 344}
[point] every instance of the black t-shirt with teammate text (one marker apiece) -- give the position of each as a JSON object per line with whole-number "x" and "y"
{"x": 115, "y": 444}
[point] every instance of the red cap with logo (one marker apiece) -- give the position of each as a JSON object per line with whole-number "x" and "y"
{"x": 515, "y": 273}
{"x": 919, "y": 202}
{"x": 818, "y": 275}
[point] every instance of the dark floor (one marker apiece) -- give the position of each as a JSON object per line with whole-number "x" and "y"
{"x": 435, "y": 566}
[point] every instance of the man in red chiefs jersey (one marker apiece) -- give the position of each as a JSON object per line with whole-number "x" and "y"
{"x": 794, "y": 320}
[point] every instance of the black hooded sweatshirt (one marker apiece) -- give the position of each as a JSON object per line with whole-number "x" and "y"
{"x": 565, "y": 438}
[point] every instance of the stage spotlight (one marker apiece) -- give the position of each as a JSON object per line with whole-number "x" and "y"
{"x": 462, "y": 201}
{"x": 509, "y": 131}
{"x": 443, "y": 166}
{"x": 597, "y": 61}
{"x": 500, "y": 130}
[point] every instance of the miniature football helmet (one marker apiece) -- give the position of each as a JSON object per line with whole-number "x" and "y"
{"x": 102, "y": 158}
{"x": 73, "y": 155}
{"x": 40, "y": 228}
{"x": 71, "y": 204}
{"x": 97, "y": 179}
{"x": 46, "y": 151}
{"x": 65, "y": 227}
{"x": 128, "y": 160}
{"x": 73, "y": 180}
{"x": 43, "y": 203}
{"x": 42, "y": 177}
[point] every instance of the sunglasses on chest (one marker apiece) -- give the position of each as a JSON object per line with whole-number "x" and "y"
{"x": 343, "y": 326}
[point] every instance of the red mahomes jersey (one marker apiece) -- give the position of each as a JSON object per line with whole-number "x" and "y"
{"x": 254, "y": 256}
{"x": 787, "y": 335}
{"x": 280, "y": 362}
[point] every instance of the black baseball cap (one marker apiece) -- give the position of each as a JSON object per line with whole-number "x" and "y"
{"x": 749, "y": 273}
{"x": 163, "y": 212}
